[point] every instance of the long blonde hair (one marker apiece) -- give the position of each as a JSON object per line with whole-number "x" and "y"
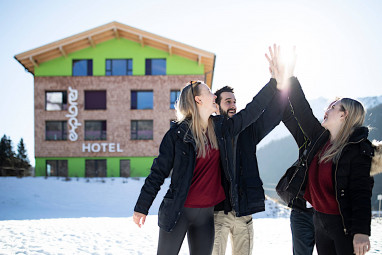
{"x": 186, "y": 110}
{"x": 354, "y": 119}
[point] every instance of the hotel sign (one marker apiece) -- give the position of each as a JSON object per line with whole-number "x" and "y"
{"x": 74, "y": 124}
{"x": 73, "y": 112}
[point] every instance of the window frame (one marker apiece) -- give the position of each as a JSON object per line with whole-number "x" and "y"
{"x": 102, "y": 137}
{"x": 149, "y": 68}
{"x": 136, "y": 101}
{"x": 135, "y": 136}
{"x": 89, "y": 67}
{"x": 109, "y": 72}
{"x": 64, "y": 98}
{"x": 91, "y": 109}
{"x": 64, "y": 130}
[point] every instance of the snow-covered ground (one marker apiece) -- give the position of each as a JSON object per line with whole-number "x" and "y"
{"x": 93, "y": 216}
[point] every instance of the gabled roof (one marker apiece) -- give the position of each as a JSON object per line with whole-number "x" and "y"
{"x": 32, "y": 58}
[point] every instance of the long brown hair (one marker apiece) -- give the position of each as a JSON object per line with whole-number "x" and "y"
{"x": 186, "y": 110}
{"x": 354, "y": 119}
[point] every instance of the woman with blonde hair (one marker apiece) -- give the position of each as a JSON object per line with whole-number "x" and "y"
{"x": 198, "y": 151}
{"x": 334, "y": 170}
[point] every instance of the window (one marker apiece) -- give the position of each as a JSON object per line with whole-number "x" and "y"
{"x": 57, "y": 168}
{"x": 141, "y": 100}
{"x": 124, "y": 167}
{"x": 56, "y": 101}
{"x": 82, "y": 67}
{"x": 174, "y": 95}
{"x": 95, "y": 100}
{"x": 55, "y": 130}
{"x": 141, "y": 130}
{"x": 95, "y": 168}
{"x": 119, "y": 67}
{"x": 95, "y": 130}
{"x": 155, "y": 66}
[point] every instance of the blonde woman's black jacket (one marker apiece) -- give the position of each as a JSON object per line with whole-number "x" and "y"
{"x": 351, "y": 173}
{"x": 177, "y": 152}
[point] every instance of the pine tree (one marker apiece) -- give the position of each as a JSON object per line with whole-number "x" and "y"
{"x": 6, "y": 151}
{"x": 22, "y": 152}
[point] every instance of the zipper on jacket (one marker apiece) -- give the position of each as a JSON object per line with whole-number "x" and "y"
{"x": 306, "y": 166}
{"x": 231, "y": 181}
{"x": 335, "y": 186}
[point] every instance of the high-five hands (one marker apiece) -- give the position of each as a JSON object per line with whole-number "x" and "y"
{"x": 280, "y": 66}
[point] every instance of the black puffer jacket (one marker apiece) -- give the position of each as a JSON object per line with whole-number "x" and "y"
{"x": 249, "y": 183}
{"x": 177, "y": 152}
{"x": 351, "y": 173}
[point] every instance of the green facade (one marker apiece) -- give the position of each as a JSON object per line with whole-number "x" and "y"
{"x": 113, "y": 49}
{"x": 119, "y": 49}
{"x": 139, "y": 166}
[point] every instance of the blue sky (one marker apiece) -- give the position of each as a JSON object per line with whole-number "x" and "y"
{"x": 338, "y": 43}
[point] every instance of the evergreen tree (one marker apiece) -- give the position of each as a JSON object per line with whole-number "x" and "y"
{"x": 22, "y": 152}
{"x": 6, "y": 151}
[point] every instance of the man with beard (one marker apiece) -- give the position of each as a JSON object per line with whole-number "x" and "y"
{"x": 237, "y": 220}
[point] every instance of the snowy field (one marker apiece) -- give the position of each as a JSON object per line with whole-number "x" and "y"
{"x": 81, "y": 216}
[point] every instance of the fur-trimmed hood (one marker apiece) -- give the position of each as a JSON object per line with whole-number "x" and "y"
{"x": 376, "y": 163}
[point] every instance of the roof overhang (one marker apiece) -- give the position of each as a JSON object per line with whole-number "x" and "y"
{"x": 32, "y": 58}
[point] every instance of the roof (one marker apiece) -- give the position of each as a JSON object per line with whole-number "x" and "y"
{"x": 32, "y": 58}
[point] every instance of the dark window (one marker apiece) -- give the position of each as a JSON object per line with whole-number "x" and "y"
{"x": 141, "y": 130}
{"x": 55, "y": 130}
{"x": 174, "y": 95}
{"x": 124, "y": 167}
{"x": 95, "y": 168}
{"x": 57, "y": 168}
{"x": 82, "y": 67}
{"x": 141, "y": 100}
{"x": 95, "y": 130}
{"x": 95, "y": 100}
{"x": 56, "y": 101}
{"x": 155, "y": 66}
{"x": 119, "y": 67}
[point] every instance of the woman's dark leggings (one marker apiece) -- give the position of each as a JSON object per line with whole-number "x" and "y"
{"x": 198, "y": 223}
{"x": 330, "y": 236}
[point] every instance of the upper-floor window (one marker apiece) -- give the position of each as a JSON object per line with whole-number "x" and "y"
{"x": 141, "y": 130}
{"x": 56, "y": 100}
{"x": 156, "y": 66}
{"x": 55, "y": 130}
{"x": 95, "y": 130}
{"x": 82, "y": 67}
{"x": 95, "y": 100}
{"x": 142, "y": 100}
{"x": 174, "y": 94}
{"x": 119, "y": 67}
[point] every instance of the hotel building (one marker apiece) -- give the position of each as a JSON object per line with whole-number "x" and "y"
{"x": 104, "y": 98}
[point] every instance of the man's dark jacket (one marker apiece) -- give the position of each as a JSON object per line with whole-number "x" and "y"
{"x": 248, "y": 183}
{"x": 351, "y": 173}
{"x": 177, "y": 152}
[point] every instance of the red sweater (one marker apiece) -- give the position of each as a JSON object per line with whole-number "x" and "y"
{"x": 320, "y": 189}
{"x": 206, "y": 189}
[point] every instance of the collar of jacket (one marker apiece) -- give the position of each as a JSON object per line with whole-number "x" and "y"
{"x": 359, "y": 134}
{"x": 184, "y": 132}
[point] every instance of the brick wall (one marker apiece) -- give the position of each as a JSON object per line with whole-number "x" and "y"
{"x": 118, "y": 114}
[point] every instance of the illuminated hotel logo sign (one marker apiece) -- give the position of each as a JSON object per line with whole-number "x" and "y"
{"x": 73, "y": 112}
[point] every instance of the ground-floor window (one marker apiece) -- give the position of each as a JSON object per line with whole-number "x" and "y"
{"x": 124, "y": 168}
{"x": 57, "y": 168}
{"x": 95, "y": 168}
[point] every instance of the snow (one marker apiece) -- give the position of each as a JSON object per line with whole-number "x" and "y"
{"x": 93, "y": 216}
